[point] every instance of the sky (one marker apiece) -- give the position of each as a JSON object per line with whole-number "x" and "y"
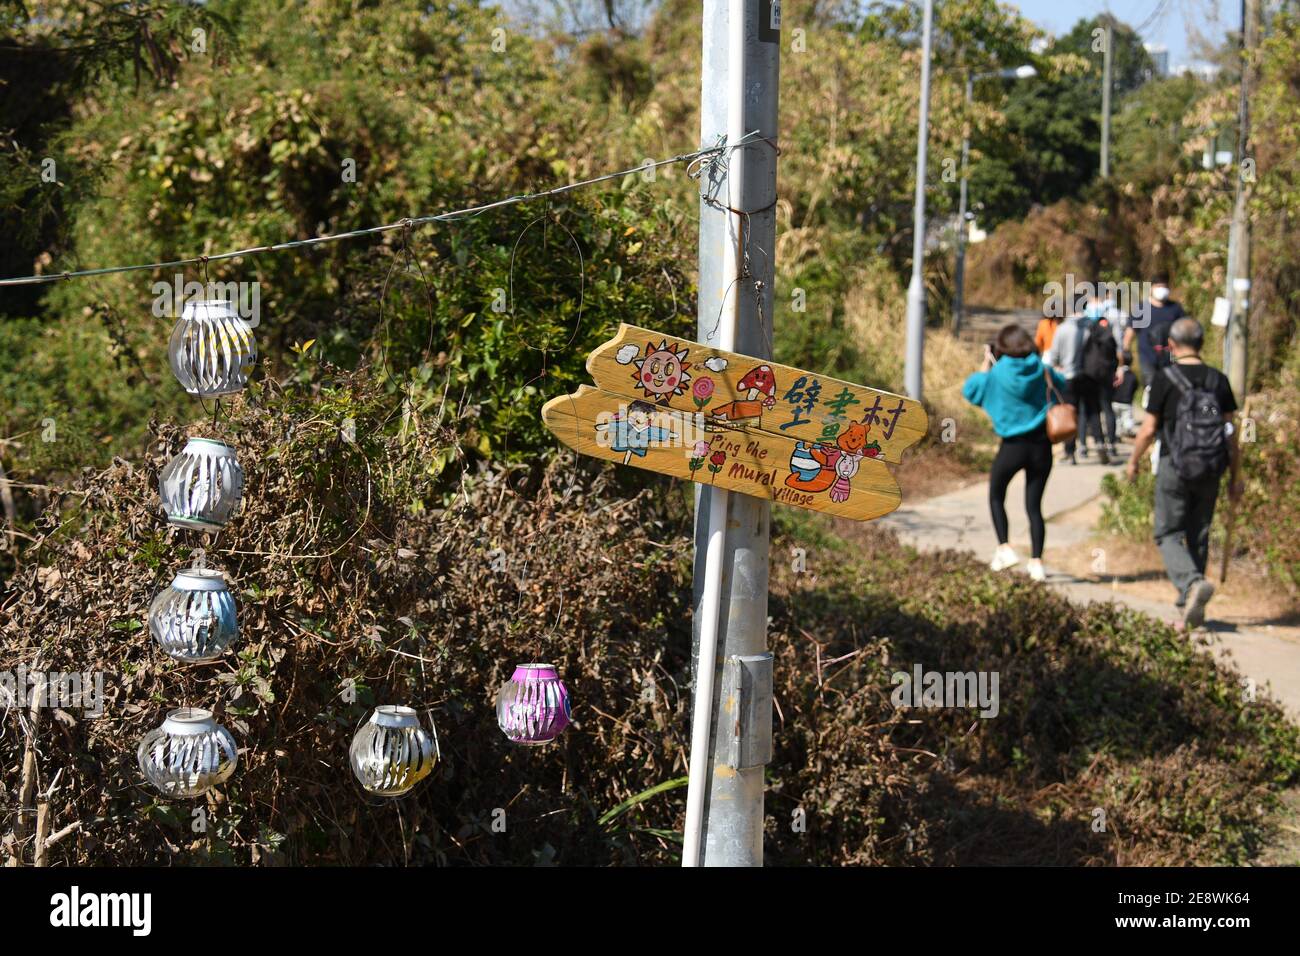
{"x": 1171, "y": 23}
{"x": 1173, "y": 19}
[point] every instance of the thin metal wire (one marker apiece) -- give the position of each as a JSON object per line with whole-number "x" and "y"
{"x": 452, "y": 216}
{"x": 745, "y": 227}
{"x": 407, "y": 256}
{"x": 536, "y": 642}
{"x": 545, "y": 219}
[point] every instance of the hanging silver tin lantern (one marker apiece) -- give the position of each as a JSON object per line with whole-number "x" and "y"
{"x": 188, "y": 755}
{"x": 194, "y": 620}
{"x": 212, "y": 350}
{"x": 391, "y": 752}
{"x": 533, "y": 706}
{"x": 201, "y": 487}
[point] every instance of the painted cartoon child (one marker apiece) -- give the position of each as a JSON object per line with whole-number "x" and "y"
{"x": 632, "y": 434}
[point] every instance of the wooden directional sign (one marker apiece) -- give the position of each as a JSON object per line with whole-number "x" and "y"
{"x": 673, "y": 406}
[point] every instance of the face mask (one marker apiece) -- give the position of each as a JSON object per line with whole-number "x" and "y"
{"x": 1160, "y": 292}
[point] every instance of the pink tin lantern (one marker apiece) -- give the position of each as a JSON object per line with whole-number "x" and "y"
{"x": 533, "y": 706}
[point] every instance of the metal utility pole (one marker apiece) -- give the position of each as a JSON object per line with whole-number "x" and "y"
{"x": 916, "y": 288}
{"x": 959, "y": 274}
{"x": 1107, "y": 58}
{"x": 732, "y": 721}
{"x": 1235, "y": 339}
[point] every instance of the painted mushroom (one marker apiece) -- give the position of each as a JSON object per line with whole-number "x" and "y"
{"x": 759, "y": 381}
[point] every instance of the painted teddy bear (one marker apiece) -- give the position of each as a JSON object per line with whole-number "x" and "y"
{"x": 839, "y": 463}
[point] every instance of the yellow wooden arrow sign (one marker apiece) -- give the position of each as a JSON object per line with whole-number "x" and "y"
{"x": 762, "y": 395}
{"x": 672, "y": 406}
{"x": 808, "y": 475}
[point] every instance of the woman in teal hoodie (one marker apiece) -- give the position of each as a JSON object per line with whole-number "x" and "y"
{"x": 1012, "y": 388}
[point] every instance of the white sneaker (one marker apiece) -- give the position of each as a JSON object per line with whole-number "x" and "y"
{"x": 1004, "y": 557}
{"x": 1035, "y": 569}
{"x": 1198, "y": 596}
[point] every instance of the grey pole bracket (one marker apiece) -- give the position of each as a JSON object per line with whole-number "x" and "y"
{"x": 747, "y": 701}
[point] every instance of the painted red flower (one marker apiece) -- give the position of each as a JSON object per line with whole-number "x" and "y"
{"x": 718, "y": 457}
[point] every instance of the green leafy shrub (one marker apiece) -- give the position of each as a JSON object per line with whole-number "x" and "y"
{"x": 1129, "y": 506}
{"x": 1270, "y": 505}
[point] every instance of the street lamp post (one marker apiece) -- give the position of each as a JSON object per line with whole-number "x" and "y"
{"x": 1107, "y": 59}
{"x": 916, "y": 288}
{"x": 958, "y": 302}
{"x": 959, "y": 293}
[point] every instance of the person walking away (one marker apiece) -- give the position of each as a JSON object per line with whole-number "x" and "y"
{"x": 1150, "y": 329}
{"x": 1191, "y": 404}
{"x": 1012, "y": 388}
{"x": 1045, "y": 332}
{"x": 1066, "y": 357}
{"x": 1101, "y": 361}
{"x": 1124, "y": 388}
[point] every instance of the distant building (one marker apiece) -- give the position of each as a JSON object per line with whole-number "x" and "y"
{"x": 1208, "y": 72}
{"x": 1159, "y": 54}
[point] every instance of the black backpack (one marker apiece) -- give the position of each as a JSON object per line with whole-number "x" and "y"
{"x": 1198, "y": 442}
{"x": 1100, "y": 356}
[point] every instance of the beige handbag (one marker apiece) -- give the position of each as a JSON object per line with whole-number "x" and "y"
{"x": 1062, "y": 419}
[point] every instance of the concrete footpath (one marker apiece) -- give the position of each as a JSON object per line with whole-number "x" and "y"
{"x": 960, "y": 520}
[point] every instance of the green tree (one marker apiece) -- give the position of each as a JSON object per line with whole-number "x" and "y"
{"x": 1049, "y": 147}
{"x": 1150, "y": 135}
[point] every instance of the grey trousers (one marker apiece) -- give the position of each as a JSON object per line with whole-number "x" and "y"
{"x": 1184, "y": 512}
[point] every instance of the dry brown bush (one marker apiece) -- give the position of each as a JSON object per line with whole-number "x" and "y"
{"x": 361, "y": 560}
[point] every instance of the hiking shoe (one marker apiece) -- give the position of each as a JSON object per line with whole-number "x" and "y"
{"x": 1083, "y": 451}
{"x": 1035, "y": 569}
{"x": 1004, "y": 557}
{"x": 1066, "y": 456}
{"x": 1198, "y": 595}
{"x": 1103, "y": 455}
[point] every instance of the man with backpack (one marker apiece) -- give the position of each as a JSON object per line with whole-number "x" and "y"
{"x": 1191, "y": 404}
{"x": 1067, "y": 356}
{"x": 1101, "y": 361}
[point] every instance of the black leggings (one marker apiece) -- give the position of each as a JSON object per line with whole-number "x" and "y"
{"x": 1032, "y": 452}
{"x": 1086, "y": 396}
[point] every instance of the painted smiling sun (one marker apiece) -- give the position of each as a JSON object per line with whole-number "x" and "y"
{"x": 661, "y": 372}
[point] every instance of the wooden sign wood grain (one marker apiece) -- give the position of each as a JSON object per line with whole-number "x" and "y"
{"x": 812, "y": 475}
{"x": 736, "y": 389}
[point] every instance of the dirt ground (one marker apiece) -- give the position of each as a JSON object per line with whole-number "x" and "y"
{"x": 1284, "y": 849}
{"x": 1248, "y": 599}
{"x": 933, "y": 472}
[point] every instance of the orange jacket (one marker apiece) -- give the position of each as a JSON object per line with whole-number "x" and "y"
{"x": 1044, "y": 334}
